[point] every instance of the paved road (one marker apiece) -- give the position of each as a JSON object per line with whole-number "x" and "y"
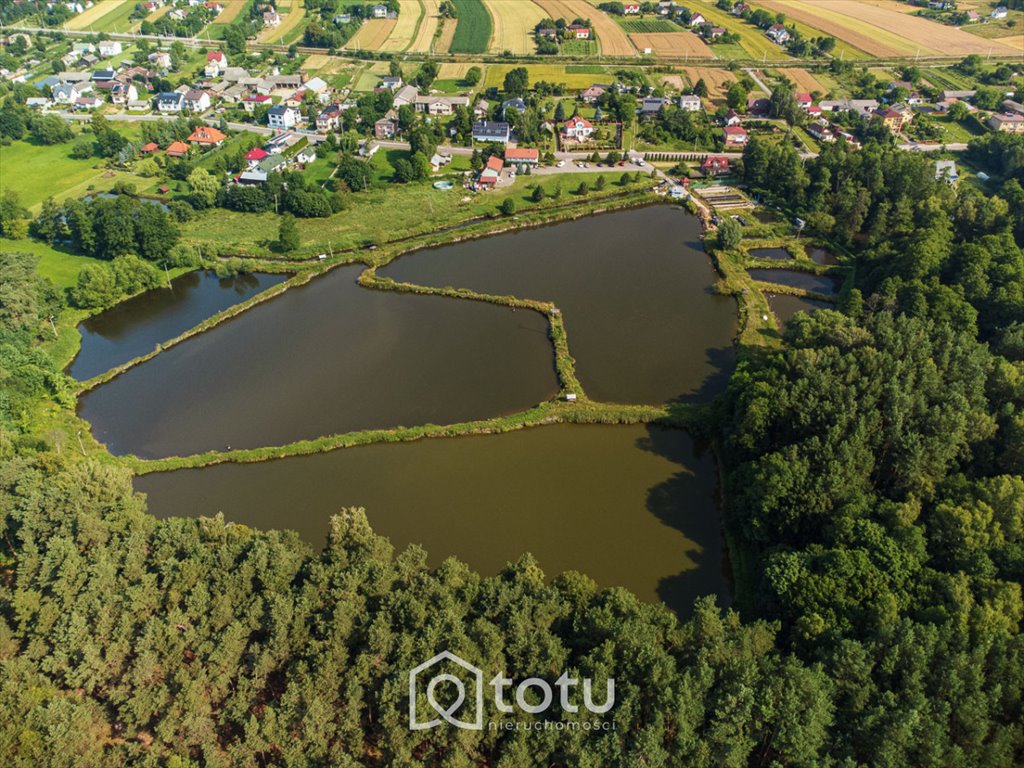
{"x": 756, "y": 79}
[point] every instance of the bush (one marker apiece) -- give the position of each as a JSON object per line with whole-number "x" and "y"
{"x": 508, "y": 206}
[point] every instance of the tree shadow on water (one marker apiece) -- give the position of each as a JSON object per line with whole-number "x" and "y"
{"x": 687, "y": 502}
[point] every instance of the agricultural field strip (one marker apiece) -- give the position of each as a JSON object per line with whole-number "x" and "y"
{"x": 514, "y": 22}
{"x": 372, "y": 34}
{"x": 673, "y": 44}
{"x": 474, "y": 30}
{"x": 428, "y": 27}
{"x": 88, "y": 18}
{"x": 231, "y": 10}
{"x": 287, "y": 25}
{"x": 410, "y": 12}
{"x": 752, "y": 39}
{"x": 803, "y": 80}
{"x": 612, "y": 38}
{"x": 444, "y": 40}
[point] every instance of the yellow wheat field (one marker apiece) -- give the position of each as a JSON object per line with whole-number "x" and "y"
{"x": 514, "y": 21}
{"x": 428, "y": 26}
{"x": 610, "y": 35}
{"x": 372, "y": 34}
{"x": 409, "y": 12}
{"x": 92, "y": 15}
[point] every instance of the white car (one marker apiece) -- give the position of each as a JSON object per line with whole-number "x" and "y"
{"x": 561, "y": 164}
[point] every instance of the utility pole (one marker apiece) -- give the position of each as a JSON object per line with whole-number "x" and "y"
{"x": 53, "y": 326}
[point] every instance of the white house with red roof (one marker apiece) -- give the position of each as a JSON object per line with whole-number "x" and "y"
{"x": 804, "y": 100}
{"x": 715, "y": 165}
{"x": 491, "y": 171}
{"x": 256, "y": 100}
{"x": 735, "y": 136}
{"x": 577, "y": 129}
{"x": 581, "y": 32}
{"x": 522, "y": 156}
{"x": 216, "y": 62}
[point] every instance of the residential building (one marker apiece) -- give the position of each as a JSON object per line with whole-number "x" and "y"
{"x": 715, "y": 165}
{"x": 577, "y": 129}
{"x": 380, "y": 11}
{"x": 581, "y": 32}
{"x": 972, "y": 17}
{"x": 1000, "y": 12}
{"x": 108, "y": 48}
{"x": 892, "y": 119}
{"x": 122, "y": 93}
{"x": 696, "y": 20}
{"x": 65, "y": 93}
{"x": 488, "y": 131}
{"x": 522, "y": 156}
{"x": 732, "y": 117}
{"x": 250, "y": 103}
{"x": 150, "y": 148}
{"x": 481, "y": 109}
{"x": 85, "y": 103}
{"x": 594, "y": 92}
{"x": 255, "y": 156}
{"x": 170, "y": 102}
{"x": 205, "y": 136}
{"x": 690, "y": 102}
{"x": 387, "y": 126}
{"x": 216, "y": 62}
{"x": 197, "y": 100}
{"x": 821, "y": 132}
{"x": 945, "y": 170}
{"x": 405, "y": 95}
{"x": 440, "y": 105}
{"x": 650, "y": 106}
{"x": 517, "y": 104}
{"x": 491, "y": 172}
{"x": 282, "y": 117}
{"x": 804, "y": 101}
{"x": 271, "y": 19}
{"x": 1007, "y": 123}
{"x": 734, "y": 136}
{"x": 630, "y": 8}
{"x": 177, "y": 149}
{"x": 160, "y": 59}
{"x": 103, "y": 75}
{"x": 329, "y": 118}
{"x": 389, "y": 83}
{"x": 778, "y": 33}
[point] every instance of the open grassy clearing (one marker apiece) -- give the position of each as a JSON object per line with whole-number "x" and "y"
{"x": 407, "y": 27}
{"x": 444, "y": 40}
{"x": 372, "y": 34}
{"x": 289, "y": 28}
{"x": 947, "y": 79}
{"x": 413, "y": 210}
{"x": 672, "y": 44}
{"x": 803, "y": 80}
{"x": 551, "y": 73}
{"x": 36, "y": 172}
{"x": 428, "y": 27}
{"x": 514, "y": 21}
{"x": 370, "y": 77}
{"x": 88, "y": 18}
{"x": 59, "y": 267}
{"x": 612, "y": 38}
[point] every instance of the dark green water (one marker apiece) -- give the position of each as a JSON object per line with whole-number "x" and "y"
{"x": 785, "y": 306}
{"x": 794, "y": 278}
{"x": 325, "y": 358}
{"x": 629, "y": 506}
{"x": 635, "y": 288}
{"x": 134, "y": 327}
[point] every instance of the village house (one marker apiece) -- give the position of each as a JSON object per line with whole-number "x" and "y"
{"x": 250, "y": 103}
{"x": 329, "y": 118}
{"x": 821, "y": 132}
{"x": 804, "y": 101}
{"x": 577, "y": 129}
{"x": 758, "y": 106}
{"x": 380, "y": 11}
{"x": 696, "y": 20}
{"x": 122, "y": 93}
{"x": 1000, "y": 12}
{"x": 739, "y": 9}
{"x": 440, "y": 105}
{"x": 650, "y": 105}
{"x": 593, "y": 93}
{"x": 517, "y": 104}
{"x": 481, "y": 109}
{"x": 282, "y": 117}
{"x": 689, "y": 102}
{"x": 389, "y": 83}
{"x": 205, "y": 136}
{"x": 150, "y": 148}
{"x": 108, "y": 48}
{"x": 295, "y": 99}
{"x": 891, "y": 118}
{"x": 170, "y": 102}
{"x": 489, "y": 130}
{"x": 66, "y": 93}
{"x": 85, "y": 103}
{"x": 778, "y": 33}
{"x": 256, "y": 155}
{"x": 177, "y": 149}
{"x": 972, "y": 17}
{"x": 491, "y": 172}
{"x": 732, "y": 117}
{"x": 1007, "y": 123}
{"x": 579, "y": 31}
{"x": 630, "y": 8}
{"x": 160, "y": 59}
{"x": 715, "y": 165}
{"x": 387, "y": 126}
{"x": 522, "y": 156}
{"x": 406, "y": 95}
{"x": 197, "y": 101}
{"x": 734, "y": 136}
{"x": 216, "y": 62}
{"x": 271, "y": 19}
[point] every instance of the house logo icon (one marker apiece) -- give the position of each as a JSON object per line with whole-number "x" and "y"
{"x": 469, "y": 677}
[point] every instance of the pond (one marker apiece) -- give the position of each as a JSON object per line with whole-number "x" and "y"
{"x": 796, "y": 279}
{"x": 821, "y": 256}
{"x": 630, "y": 506}
{"x": 635, "y": 290}
{"x": 324, "y": 358}
{"x": 785, "y": 306}
{"x": 134, "y": 327}
{"x": 770, "y": 253}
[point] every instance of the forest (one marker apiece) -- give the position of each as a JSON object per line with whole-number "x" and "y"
{"x": 874, "y": 510}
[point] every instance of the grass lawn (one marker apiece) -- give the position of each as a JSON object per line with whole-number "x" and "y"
{"x": 953, "y": 132}
{"x": 116, "y": 20}
{"x": 729, "y": 51}
{"x": 579, "y": 48}
{"x": 551, "y": 73}
{"x": 36, "y": 172}
{"x": 59, "y": 267}
{"x": 413, "y": 209}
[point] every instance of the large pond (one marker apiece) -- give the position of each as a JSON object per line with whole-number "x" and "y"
{"x": 785, "y": 306}
{"x": 794, "y": 278}
{"x": 635, "y": 288}
{"x": 629, "y": 506}
{"x": 325, "y": 358}
{"x": 134, "y": 327}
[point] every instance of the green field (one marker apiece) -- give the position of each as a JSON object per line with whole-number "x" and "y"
{"x": 473, "y": 33}
{"x": 948, "y": 79}
{"x": 648, "y": 25}
{"x": 36, "y": 172}
{"x": 413, "y": 209}
{"x": 117, "y": 20}
{"x": 551, "y": 73}
{"x": 585, "y": 69}
{"x": 59, "y": 267}
{"x": 579, "y": 48}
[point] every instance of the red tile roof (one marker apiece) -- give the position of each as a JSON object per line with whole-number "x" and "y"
{"x": 204, "y": 134}
{"x": 494, "y": 163}
{"x": 517, "y": 153}
{"x": 256, "y": 153}
{"x": 178, "y": 148}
